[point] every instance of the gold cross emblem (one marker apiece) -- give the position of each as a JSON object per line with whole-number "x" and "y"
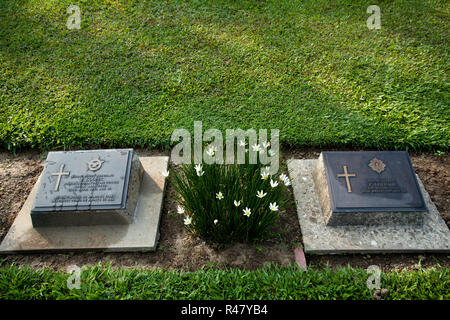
{"x": 346, "y": 175}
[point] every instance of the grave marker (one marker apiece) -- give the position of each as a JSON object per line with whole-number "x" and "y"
{"x": 108, "y": 200}
{"x": 368, "y": 187}
{"x": 365, "y": 202}
{"x": 93, "y": 187}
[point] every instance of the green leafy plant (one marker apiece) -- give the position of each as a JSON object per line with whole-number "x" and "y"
{"x": 226, "y": 203}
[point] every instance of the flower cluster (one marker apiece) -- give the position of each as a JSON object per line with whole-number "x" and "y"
{"x": 258, "y": 148}
{"x": 247, "y": 211}
{"x": 187, "y": 219}
{"x": 230, "y": 202}
{"x": 285, "y": 179}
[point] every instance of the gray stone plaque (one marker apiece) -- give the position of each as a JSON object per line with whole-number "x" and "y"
{"x": 368, "y": 187}
{"x": 87, "y": 188}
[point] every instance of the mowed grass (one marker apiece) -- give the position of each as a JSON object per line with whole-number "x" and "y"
{"x": 270, "y": 282}
{"x": 137, "y": 70}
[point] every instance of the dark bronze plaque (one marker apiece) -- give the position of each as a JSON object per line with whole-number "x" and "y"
{"x": 372, "y": 181}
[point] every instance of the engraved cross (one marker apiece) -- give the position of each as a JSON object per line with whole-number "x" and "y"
{"x": 59, "y": 174}
{"x": 347, "y": 175}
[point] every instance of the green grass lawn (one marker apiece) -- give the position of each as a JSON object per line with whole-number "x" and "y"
{"x": 267, "y": 283}
{"x": 136, "y": 70}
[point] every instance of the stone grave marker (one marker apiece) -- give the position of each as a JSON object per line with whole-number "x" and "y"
{"x": 368, "y": 201}
{"x": 108, "y": 200}
{"x": 368, "y": 188}
{"x": 88, "y": 188}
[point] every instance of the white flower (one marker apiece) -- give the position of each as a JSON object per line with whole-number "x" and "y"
{"x": 210, "y": 152}
{"x": 198, "y": 169}
{"x": 215, "y": 221}
{"x": 271, "y": 153}
{"x": 287, "y": 181}
{"x": 264, "y": 175}
{"x": 283, "y": 176}
{"x": 261, "y": 194}
{"x": 256, "y": 147}
{"x": 165, "y": 174}
{"x": 180, "y": 210}
{"x": 219, "y": 195}
{"x": 237, "y": 203}
{"x": 242, "y": 143}
{"x": 273, "y": 184}
{"x": 247, "y": 212}
{"x": 187, "y": 220}
{"x": 273, "y": 206}
{"x": 266, "y": 144}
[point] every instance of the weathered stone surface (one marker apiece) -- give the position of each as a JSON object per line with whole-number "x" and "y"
{"x": 91, "y": 187}
{"x": 432, "y": 236}
{"x": 394, "y": 198}
{"x": 321, "y": 188}
{"x": 141, "y": 235}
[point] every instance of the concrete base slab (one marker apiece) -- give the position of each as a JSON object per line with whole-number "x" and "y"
{"x": 141, "y": 235}
{"x": 318, "y": 238}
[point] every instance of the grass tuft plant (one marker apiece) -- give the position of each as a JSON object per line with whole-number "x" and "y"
{"x": 227, "y": 203}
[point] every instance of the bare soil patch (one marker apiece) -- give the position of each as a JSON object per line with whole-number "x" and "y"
{"x": 18, "y": 174}
{"x": 180, "y": 251}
